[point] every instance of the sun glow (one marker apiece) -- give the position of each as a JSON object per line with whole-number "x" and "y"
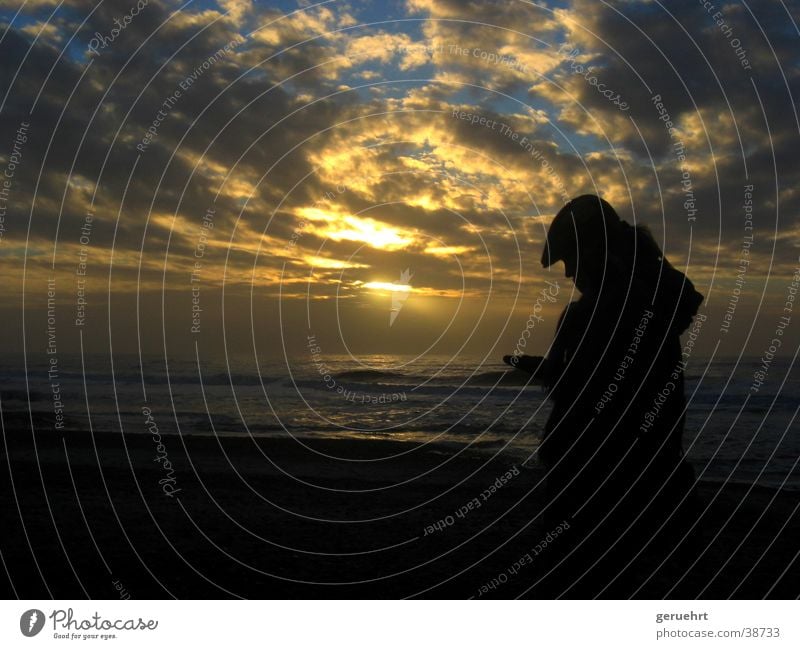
{"x": 389, "y": 286}
{"x": 332, "y": 264}
{"x": 447, "y": 251}
{"x": 346, "y": 227}
{"x": 369, "y": 231}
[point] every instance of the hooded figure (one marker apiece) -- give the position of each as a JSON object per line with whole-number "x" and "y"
{"x": 612, "y": 444}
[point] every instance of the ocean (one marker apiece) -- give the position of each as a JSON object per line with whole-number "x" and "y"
{"x": 457, "y": 405}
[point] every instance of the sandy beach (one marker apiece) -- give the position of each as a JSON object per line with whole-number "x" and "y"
{"x": 108, "y": 516}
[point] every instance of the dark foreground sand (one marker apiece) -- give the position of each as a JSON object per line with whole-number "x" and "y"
{"x": 86, "y": 515}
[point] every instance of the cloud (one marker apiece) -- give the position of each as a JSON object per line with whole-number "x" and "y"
{"x": 443, "y": 142}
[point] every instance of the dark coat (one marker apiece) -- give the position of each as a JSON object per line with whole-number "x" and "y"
{"x": 617, "y": 389}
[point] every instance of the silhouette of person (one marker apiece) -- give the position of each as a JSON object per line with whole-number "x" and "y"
{"x": 612, "y": 445}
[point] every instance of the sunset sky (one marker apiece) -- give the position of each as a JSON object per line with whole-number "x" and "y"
{"x": 302, "y": 156}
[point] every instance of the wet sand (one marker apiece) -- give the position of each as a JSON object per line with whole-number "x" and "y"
{"x": 87, "y": 515}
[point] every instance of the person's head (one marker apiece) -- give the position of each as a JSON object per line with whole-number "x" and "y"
{"x": 583, "y": 235}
